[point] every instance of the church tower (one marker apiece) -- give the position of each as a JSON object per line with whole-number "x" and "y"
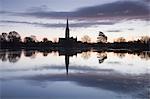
{"x": 67, "y": 30}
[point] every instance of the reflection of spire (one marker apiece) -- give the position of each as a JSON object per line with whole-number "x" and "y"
{"x": 67, "y": 63}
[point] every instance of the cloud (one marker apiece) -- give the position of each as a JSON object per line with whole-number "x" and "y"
{"x": 146, "y": 1}
{"x": 59, "y": 67}
{"x": 127, "y": 84}
{"x": 40, "y": 8}
{"x": 114, "y": 62}
{"x": 7, "y": 12}
{"x": 131, "y": 29}
{"x": 59, "y": 25}
{"x": 113, "y": 81}
{"x": 114, "y": 31}
{"x": 112, "y": 13}
{"x": 119, "y": 9}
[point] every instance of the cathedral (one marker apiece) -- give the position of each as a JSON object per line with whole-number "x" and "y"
{"x": 67, "y": 41}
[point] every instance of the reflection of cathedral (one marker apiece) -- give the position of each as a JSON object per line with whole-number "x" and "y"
{"x": 67, "y": 41}
{"x": 67, "y": 53}
{"x": 67, "y": 63}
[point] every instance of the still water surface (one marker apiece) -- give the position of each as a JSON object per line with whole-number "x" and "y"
{"x": 86, "y": 75}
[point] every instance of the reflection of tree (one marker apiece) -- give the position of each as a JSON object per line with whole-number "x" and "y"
{"x": 86, "y": 55}
{"x": 3, "y": 56}
{"x": 101, "y": 56}
{"x": 14, "y": 56}
{"x": 144, "y": 55}
{"x": 45, "y": 53}
{"x": 31, "y": 54}
{"x": 11, "y": 56}
{"x": 121, "y": 55}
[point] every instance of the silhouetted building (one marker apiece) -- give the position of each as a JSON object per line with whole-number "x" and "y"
{"x": 67, "y": 41}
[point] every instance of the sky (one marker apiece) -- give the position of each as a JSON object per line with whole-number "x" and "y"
{"x": 47, "y": 18}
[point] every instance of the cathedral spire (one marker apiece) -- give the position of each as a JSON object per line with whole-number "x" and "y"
{"x": 67, "y": 24}
{"x": 67, "y": 30}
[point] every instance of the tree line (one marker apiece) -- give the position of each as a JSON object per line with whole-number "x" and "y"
{"x": 13, "y": 39}
{"x": 14, "y": 36}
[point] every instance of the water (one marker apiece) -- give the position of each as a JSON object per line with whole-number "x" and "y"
{"x": 85, "y": 75}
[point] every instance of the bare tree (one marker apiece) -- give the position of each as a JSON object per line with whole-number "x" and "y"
{"x": 86, "y": 39}
{"x": 120, "y": 39}
{"x": 145, "y": 39}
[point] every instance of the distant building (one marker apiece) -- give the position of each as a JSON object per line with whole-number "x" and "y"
{"x": 67, "y": 41}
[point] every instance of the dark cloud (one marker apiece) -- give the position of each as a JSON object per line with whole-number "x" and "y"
{"x": 114, "y": 31}
{"x": 146, "y": 1}
{"x": 59, "y": 25}
{"x": 135, "y": 85}
{"x": 6, "y": 12}
{"x": 112, "y": 12}
{"x": 131, "y": 29}
{"x": 114, "y": 62}
{"x": 122, "y": 10}
{"x": 117, "y": 30}
{"x": 40, "y": 8}
{"x": 54, "y": 67}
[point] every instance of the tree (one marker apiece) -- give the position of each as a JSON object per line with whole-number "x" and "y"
{"x": 120, "y": 39}
{"x": 86, "y": 39}
{"x": 3, "y": 37}
{"x": 34, "y": 38}
{"x": 30, "y": 39}
{"x": 13, "y": 36}
{"x": 55, "y": 40}
{"x": 145, "y": 39}
{"x": 102, "y": 37}
{"x": 45, "y": 39}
